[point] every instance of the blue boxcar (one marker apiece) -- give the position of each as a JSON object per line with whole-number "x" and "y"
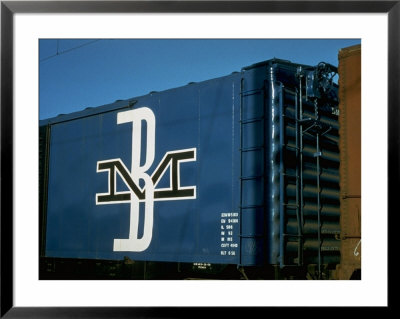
{"x": 241, "y": 169}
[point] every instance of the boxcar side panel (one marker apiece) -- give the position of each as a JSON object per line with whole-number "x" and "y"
{"x": 96, "y": 161}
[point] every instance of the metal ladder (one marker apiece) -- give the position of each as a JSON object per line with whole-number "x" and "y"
{"x": 316, "y": 129}
{"x": 295, "y": 179}
{"x": 245, "y": 208}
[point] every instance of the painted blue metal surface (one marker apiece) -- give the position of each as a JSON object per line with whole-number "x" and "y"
{"x": 202, "y": 117}
{"x": 199, "y": 173}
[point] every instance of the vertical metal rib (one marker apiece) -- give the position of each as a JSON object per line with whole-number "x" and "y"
{"x": 241, "y": 170}
{"x": 318, "y": 193}
{"x": 299, "y": 116}
{"x": 298, "y": 190}
{"x": 281, "y": 177}
{"x": 275, "y": 236}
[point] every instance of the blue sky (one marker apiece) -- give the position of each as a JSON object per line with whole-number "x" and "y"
{"x": 90, "y": 73}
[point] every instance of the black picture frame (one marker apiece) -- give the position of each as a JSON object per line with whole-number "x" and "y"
{"x": 9, "y": 8}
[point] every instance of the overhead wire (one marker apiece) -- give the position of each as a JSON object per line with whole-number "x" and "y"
{"x": 69, "y": 50}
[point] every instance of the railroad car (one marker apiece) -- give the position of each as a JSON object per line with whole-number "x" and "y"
{"x": 350, "y": 161}
{"x": 232, "y": 178}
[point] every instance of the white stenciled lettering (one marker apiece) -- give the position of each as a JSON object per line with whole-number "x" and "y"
{"x": 228, "y": 222}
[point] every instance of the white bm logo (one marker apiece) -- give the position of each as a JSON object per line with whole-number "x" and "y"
{"x": 148, "y": 194}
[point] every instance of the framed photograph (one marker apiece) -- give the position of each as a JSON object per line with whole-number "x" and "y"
{"x": 63, "y": 258}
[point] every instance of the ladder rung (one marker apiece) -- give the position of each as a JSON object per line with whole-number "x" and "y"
{"x": 250, "y": 149}
{"x": 291, "y": 265}
{"x": 252, "y": 120}
{"x": 306, "y": 120}
{"x": 251, "y": 206}
{"x": 244, "y": 178}
{"x": 291, "y": 147}
{"x": 291, "y": 206}
{"x": 289, "y": 91}
{"x": 250, "y": 236}
{"x": 251, "y": 92}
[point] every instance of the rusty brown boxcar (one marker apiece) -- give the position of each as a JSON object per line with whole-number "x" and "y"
{"x": 349, "y": 71}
